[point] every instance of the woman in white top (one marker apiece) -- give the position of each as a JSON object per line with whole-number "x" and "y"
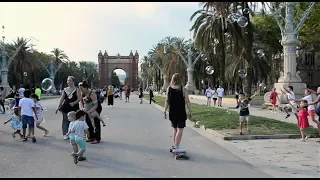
{"x": 208, "y": 94}
{"x": 214, "y": 96}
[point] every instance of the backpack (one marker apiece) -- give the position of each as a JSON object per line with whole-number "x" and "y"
{"x": 99, "y": 98}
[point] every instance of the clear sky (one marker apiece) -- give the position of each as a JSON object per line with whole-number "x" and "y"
{"x": 81, "y": 29}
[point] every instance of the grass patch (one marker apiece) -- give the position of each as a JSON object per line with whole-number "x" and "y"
{"x": 227, "y": 120}
{"x": 234, "y": 96}
{"x": 50, "y": 97}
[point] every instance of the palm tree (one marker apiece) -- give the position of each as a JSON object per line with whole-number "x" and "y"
{"x": 59, "y": 55}
{"x": 174, "y": 63}
{"x": 22, "y": 62}
{"x": 210, "y": 29}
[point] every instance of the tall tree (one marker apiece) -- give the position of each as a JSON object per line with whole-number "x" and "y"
{"x": 115, "y": 81}
{"x": 22, "y": 62}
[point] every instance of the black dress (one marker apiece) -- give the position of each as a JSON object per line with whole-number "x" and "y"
{"x": 177, "y": 105}
{"x": 95, "y": 135}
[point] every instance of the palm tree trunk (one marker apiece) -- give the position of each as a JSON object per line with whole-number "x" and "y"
{"x": 248, "y": 52}
{"x": 223, "y": 55}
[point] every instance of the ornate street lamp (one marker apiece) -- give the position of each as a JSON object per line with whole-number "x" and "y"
{"x": 190, "y": 60}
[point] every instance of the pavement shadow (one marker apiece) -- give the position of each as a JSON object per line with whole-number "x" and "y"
{"x": 131, "y": 147}
{"x": 110, "y": 163}
{"x": 193, "y": 157}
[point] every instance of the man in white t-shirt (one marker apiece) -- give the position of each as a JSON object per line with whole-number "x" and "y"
{"x": 208, "y": 94}
{"x": 292, "y": 102}
{"x": 27, "y": 110}
{"x": 21, "y": 92}
{"x": 220, "y": 92}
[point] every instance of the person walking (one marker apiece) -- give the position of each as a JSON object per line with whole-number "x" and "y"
{"x": 273, "y": 99}
{"x": 151, "y": 96}
{"x": 127, "y": 93}
{"x": 38, "y": 92}
{"x": 220, "y": 92}
{"x": 140, "y": 94}
{"x": 208, "y": 94}
{"x": 2, "y": 99}
{"x": 177, "y": 98}
{"x": 110, "y": 96}
{"x": 69, "y": 101}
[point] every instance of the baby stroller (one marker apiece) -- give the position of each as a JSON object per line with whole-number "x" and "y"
{"x": 117, "y": 94}
{"x": 10, "y": 103}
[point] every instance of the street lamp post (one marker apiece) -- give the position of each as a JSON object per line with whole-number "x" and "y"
{"x": 289, "y": 32}
{"x": 52, "y": 71}
{"x": 6, "y": 63}
{"x": 165, "y": 79}
{"x": 188, "y": 60}
{"x": 85, "y": 77}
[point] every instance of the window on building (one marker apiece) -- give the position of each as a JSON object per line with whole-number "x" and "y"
{"x": 309, "y": 78}
{"x": 309, "y": 59}
{"x": 306, "y": 59}
{"x": 312, "y": 59}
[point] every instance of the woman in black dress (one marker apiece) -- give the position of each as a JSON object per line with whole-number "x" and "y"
{"x": 177, "y": 98}
{"x": 69, "y": 101}
{"x": 140, "y": 94}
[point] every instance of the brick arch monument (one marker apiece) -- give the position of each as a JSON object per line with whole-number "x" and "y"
{"x": 107, "y": 64}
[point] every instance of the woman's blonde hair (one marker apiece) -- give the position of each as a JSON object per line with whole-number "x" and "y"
{"x": 176, "y": 80}
{"x": 71, "y": 77}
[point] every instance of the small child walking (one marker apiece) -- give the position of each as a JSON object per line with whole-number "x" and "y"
{"x": 16, "y": 123}
{"x": 244, "y": 105}
{"x": 79, "y": 128}
{"x": 39, "y": 112}
{"x": 303, "y": 119}
{"x": 72, "y": 118}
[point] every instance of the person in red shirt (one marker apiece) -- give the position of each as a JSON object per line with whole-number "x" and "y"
{"x": 127, "y": 93}
{"x": 273, "y": 100}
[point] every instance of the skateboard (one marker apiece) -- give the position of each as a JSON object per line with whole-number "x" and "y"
{"x": 179, "y": 155}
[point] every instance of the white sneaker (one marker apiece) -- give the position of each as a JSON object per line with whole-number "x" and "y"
{"x": 178, "y": 150}
{"x": 65, "y": 137}
{"x": 318, "y": 140}
{"x": 303, "y": 140}
{"x": 306, "y": 138}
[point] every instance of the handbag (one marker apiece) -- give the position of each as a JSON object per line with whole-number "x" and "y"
{"x": 65, "y": 107}
{"x": 318, "y": 111}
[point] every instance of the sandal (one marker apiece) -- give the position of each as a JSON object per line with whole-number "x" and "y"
{"x": 81, "y": 158}
{"x": 46, "y": 133}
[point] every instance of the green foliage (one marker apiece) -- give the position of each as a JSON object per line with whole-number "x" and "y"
{"x": 309, "y": 34}
{"x": 228, "y": 121}
{"x": 115, "y": 81}
{"x": 267, "y": 33}
{"x": 33, "y": 64}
